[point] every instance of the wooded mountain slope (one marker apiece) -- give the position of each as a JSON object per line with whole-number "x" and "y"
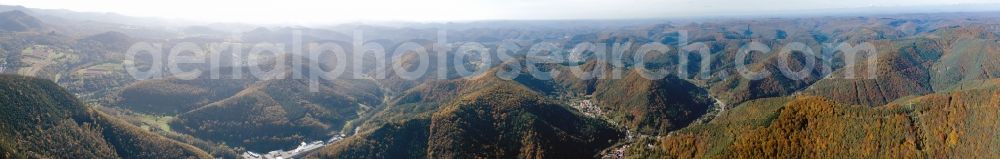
{"x": 43, "y": 121}
{"x": 278, "y": 114}
{"x": 948, "y": 124}
{"x": 505, "y": 120}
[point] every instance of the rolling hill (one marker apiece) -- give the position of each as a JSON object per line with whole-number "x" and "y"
{"x": 277, "y": 114}
{"x": 956, "y": 123}
{"x": 501, "y": 120}
{"x": 43, "y": 121}
{"x": 18, "y": 21}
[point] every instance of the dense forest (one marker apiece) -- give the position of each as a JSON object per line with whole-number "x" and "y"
{"x": 951, "y": 124}
{"x": 44, "y": 121}
{"x": 501, "y": 120}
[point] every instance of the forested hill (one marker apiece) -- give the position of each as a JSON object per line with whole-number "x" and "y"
{"x": 18, "y": 21}
{"x": 41, "y": 120}
{"x": 500, "y": 119}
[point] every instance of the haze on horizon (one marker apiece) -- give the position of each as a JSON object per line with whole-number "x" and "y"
{"x": 318, "y": 12}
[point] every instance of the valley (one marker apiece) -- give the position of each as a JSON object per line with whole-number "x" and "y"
{"x": 914, "y": 85}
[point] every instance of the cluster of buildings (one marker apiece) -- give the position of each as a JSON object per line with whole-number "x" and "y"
{"x": 297, "y": 152}
{"x": 617, "y": 153}
{"x": 589, "y": 108}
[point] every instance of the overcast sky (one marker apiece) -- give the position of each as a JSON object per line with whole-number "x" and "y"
{"x": 317, "y": 11}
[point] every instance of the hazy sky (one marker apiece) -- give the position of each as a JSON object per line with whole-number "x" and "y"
{"x": 317, "y": 11}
